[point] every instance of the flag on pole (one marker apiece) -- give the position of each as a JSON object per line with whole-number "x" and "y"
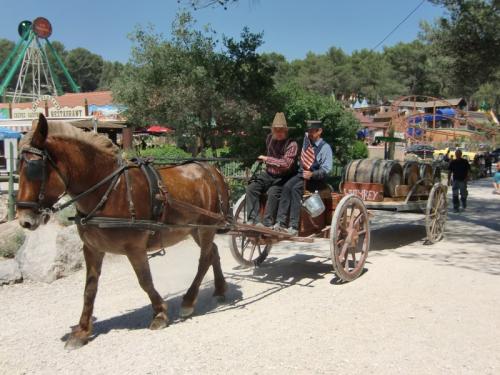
{"x": 307, "y": 154}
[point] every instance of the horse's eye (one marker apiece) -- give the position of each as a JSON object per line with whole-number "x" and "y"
{"x": 35, "y": 170}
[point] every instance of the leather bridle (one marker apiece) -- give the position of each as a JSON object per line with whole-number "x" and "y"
{"x": 37, "y": 170}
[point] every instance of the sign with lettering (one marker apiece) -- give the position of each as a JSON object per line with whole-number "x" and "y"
{"x": 44, "y": 98}
{"x": 26, "y": 113}
{"x": 366, "y": 191}
{"x": 78, "y": 111}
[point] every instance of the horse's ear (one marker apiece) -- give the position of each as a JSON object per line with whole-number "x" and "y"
{"x": 40, "y": 133}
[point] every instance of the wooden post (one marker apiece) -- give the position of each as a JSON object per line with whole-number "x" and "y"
{"x": 127, "y": 139}
{"x": 46, "y": 109}
{"x": 12, "y": 211}
{"x": 390, "y": 150}
{"x": 86, "y": 107}
{"x": 10, "y": 110}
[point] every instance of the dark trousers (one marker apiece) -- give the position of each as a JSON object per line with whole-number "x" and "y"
{"x": 459, "y": 186}
{"x": 262, "y": 183}
{"x": 291, "y": 200}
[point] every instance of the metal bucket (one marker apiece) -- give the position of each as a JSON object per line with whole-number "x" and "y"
{"x": 314, "y": 205}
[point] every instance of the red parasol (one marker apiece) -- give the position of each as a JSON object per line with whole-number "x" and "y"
{"x": 159, "y": 129}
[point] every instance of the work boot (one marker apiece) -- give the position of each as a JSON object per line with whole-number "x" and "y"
{"x": 292, "y": 231}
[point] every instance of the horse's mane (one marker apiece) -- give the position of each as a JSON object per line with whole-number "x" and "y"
{"x": 64, "y": 129}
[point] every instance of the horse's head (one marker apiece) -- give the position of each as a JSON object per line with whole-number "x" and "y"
{"x": 40, "y": 181}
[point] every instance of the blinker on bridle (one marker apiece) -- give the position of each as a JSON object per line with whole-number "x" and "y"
{"x": 36, "y": 170}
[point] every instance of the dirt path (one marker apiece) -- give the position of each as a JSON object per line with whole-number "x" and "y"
{"x": 418, "y": 309}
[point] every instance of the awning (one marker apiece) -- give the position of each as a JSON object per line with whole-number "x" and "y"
{"x": 7, "y": 133}
{"x": 159, "y": 129}
{"x": 20, "y": 126}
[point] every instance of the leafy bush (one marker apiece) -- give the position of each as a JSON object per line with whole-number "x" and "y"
{"x": 165, "y": 152}
{"x": 359, "y": 150}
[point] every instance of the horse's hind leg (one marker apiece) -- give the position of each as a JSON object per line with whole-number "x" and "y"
{"x": 140, "y": 264}
{"x": 93, "y": 263}
{"x": 219, "y": 280}
{"x": 208, "y": 256}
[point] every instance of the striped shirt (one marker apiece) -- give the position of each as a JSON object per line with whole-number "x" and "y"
{"x": 281, "y": 156}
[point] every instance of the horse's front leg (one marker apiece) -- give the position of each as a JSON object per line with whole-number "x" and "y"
{"x": 140, "y": 263}
{"x": 204, "y": 238}
{"x": 93, "y": 263}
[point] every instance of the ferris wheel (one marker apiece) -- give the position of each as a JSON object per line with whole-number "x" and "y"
{"x": 30, "y": 58}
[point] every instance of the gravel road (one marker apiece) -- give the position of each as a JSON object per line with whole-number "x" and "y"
{"x": 416, "y": 310}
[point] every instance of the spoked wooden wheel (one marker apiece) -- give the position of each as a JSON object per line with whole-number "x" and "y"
{"x": 248, "y": 251}
{"x": 349, "y": 238}
{"x": 436, "y": 213}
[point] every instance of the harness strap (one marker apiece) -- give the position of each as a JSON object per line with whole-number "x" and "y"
{"x": 128, "y": 185}
{"x": 91, "y": 189}
{"x": 104, "y": 198}
{"x": 202, "y": 211}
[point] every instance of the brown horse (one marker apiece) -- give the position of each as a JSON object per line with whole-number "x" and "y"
{"x": 73, "y": 161}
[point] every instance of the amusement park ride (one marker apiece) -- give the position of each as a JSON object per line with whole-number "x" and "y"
{"x": 29, "y": 57}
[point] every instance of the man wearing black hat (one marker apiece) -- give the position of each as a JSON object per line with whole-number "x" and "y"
{"x": 316, "y": 161}
{"x": 280, "y": 160}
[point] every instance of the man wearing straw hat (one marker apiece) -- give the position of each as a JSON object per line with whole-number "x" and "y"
{"x": 316, "y": 161}
{"x": 280, "y": 160}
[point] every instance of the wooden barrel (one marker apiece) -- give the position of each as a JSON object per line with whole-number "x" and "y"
{"x": 426, "y": 173}
{"x": 411, "y": 173}
{"x": 386, "y": 172}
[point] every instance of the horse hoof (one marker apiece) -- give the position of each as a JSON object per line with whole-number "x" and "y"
{"x": 158, "y": 323}
{"x": 74, "y": 343}
{"x": 186, "y": 312}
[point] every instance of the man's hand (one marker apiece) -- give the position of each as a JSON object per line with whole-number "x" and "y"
{"x": 307, "y": 175}
{"x": 262, "y": 158}
{"x": 449, "y": 182}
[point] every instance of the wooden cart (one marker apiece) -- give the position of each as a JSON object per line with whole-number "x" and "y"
{"x": 345, "y": 223}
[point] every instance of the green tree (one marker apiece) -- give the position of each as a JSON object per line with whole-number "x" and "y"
{"x": 340, "y": 126}
{"x": 470, "y": 36}
{"x": 374, "y": 77}
{"x": 6, "y": 47}
{"x": 110, "y": 71}
{"x": 85, "y": 67}
{"x": 410, "y": 62}
{"x": 186, "y": 81}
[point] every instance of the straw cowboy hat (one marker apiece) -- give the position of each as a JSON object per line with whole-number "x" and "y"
{"x": 279, "y": 122}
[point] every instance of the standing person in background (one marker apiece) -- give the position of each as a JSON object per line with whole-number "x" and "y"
{"x": 488, "y": 162}
{"x": 458, "y": 174}
{"x": 482, "y": 165}
{"x": 496, "y": 180}
{"x": 280, "y": 160}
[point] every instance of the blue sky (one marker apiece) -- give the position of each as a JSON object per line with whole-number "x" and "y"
{"x": 291, "y": 27}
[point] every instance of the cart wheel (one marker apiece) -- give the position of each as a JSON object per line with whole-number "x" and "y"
{"x": 248, "y": 251}
{"x": 349, "y": 238}
{"x": 436, "y": 213}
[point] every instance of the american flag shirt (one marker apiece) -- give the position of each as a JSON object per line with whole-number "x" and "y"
{"x": 281, "y": 156}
